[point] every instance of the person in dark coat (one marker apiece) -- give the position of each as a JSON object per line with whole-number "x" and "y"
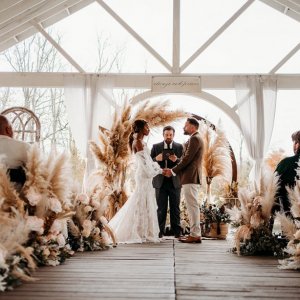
{"x": 167, "y": 154}
{"x": 287, "y": 172}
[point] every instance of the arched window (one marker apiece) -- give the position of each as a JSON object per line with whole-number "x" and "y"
{"x": 25, "y": 123}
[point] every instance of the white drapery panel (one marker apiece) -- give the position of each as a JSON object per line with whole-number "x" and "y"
{"x": 89, "y": 103}
{"x": 256, "y": 101}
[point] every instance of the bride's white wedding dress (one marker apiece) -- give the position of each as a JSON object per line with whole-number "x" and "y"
{"x": 136, "y": 221}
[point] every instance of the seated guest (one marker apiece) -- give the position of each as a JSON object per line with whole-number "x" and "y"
{"x": 287, "y": 173}
{"x": 13, "y": 153}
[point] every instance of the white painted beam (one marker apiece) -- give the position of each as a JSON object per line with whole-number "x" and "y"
{"x": 282, "y": 9}
{"x": 212, "y": 99}
{"x": 138, "y": 81}
{"x": 18, "y": 9}
{"x": 43, "y": 16}
{"x": 135, "y": 35}
{"x": 46, "y": 19}
{"x": 7, "y": 4}
{"x": 291, "y": 5}
{"x": 58, "y": 47}
{"x": 176, "y": 37}
{"x": 216, "y": 34}
{"x": 28, "y": 15}
{"x": 285, "y": 59}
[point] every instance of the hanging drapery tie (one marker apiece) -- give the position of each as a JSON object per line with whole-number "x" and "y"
{"x": 256, "y": 102}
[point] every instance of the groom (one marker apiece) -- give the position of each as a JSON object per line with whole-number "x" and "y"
{"x": 167, "y": 189}
{"x": 189, "y": 171}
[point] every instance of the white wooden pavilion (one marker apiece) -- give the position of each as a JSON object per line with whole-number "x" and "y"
{"x": 22, "y": 19}
{"x": 170, "y": 270}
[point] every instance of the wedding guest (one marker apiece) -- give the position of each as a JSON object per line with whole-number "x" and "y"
{"x": 13, "y": 153}
{"x": 287, "y": 173}
{"x": 189, "y": 170}
{"x": 167, "y": 189}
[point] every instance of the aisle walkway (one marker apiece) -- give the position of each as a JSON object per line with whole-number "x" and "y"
{"x": 169, "y": 270}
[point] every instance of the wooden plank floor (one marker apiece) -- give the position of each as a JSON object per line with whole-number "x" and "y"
{"x": 168, "y": 270}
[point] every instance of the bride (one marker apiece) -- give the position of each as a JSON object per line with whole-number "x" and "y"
{"x": 136, "y": 221}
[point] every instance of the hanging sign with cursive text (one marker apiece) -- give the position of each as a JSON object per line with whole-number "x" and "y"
{"x": 164, "y": 84}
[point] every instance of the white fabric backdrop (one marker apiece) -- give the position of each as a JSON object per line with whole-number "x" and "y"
{"x": 89, "y": 103}
{"x": 256, "y": 101}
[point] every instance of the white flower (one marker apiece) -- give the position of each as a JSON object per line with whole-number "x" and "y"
{"x": 2, "y": 283}
{"x": 87, "y": 209}
{"x": 83, "y": 198}
{"x": 56, "y": 227}
{"x": 46, "y": 252}
{"x": 61, "y": 240}
{"x": 55, "y": 205}
{"x": 87, "y": 228}
{"x": 95, "y": 203}
{"x": 105, "y": 237}
{"x": 35, "y": 224}
{"x": 52, "y": 262}
{"x": 3, "y": 254}
{"x": 33, "y": 196}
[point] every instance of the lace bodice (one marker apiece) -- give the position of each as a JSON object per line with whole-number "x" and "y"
{"x": 145, "y": 166}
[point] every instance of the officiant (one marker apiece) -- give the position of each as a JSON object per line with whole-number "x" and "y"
{"x": 167, "y": 154}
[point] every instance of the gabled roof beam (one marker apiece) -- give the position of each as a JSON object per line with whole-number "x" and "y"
{"x": 46, "y": 18}
{"x": 276, "y": 4}
{"x": 28, "y": 15}
{"x": 58, "y": 47}
{"x": 18, "y": 9}
{"x": 6, "y": 4}
{"x": 135, "y": 35}
{"x": 176, "y": 36}
{"x": 285, "y": 59}
{"x": 216, "y": 34}
{"x": 291, "y": 5}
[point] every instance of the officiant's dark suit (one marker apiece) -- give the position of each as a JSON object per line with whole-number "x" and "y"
{"x": 167, "y": 188}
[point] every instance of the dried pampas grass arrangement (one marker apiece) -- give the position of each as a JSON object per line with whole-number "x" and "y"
{"x": 113, "y": 153}
{"x": 16, "y": 261}
{"x": 88, "y": 229}
{"x": 253, "y": 218}
{"x": 216, "y": 156}
{"x": 291, "y": 228}
{"x": 274, "y": 158}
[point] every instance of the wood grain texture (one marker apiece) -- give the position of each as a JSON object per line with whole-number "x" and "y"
{"x": 168, "y": 270}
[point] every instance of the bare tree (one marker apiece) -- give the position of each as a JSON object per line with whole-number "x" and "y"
{"x": 36, "y": 54}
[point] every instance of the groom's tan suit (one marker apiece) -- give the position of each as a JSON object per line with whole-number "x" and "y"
{"x": 189, "y": 170}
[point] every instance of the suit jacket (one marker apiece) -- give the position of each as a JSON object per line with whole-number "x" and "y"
{"x": 286, "y": 170}
{"x": 159, "y": 179}
{"x": 189, "y": 168}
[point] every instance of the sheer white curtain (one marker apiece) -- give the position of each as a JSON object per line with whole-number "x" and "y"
{"x": 256, "y": 101}
{"x": 89, "y": 103}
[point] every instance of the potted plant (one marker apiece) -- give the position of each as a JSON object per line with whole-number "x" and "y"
{"x": 214, "y": 221}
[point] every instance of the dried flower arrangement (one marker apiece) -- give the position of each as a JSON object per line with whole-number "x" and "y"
{"x": 291, "y": 228}
{"x": 216, "y": 156}
{"x": 88, "y": 229}
{"x": 34, "y": 220}
{"x": 253, "y": 235}
{"x": 16, "y": 261}
{"x": 114, "y": 154}
{"x": 47, "y": 192}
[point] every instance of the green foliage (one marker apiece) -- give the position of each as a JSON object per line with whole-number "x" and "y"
{"x": 263, "y": 242}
